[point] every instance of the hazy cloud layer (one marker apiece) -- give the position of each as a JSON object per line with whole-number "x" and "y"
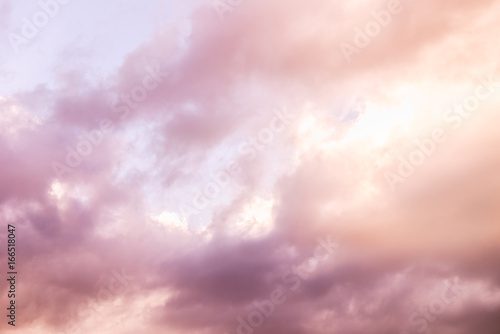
{"x": 197, "y": 166}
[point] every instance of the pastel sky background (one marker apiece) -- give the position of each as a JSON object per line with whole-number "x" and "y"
{"x": 254, "y": 139}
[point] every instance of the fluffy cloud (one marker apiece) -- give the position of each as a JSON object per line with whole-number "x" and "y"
{"x": 189, "y": 196}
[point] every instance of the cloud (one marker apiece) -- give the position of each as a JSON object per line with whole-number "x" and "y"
{"x": 218, "y": 85}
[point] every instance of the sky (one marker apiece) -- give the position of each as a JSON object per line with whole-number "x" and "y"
{"x": 250, "y": 166}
